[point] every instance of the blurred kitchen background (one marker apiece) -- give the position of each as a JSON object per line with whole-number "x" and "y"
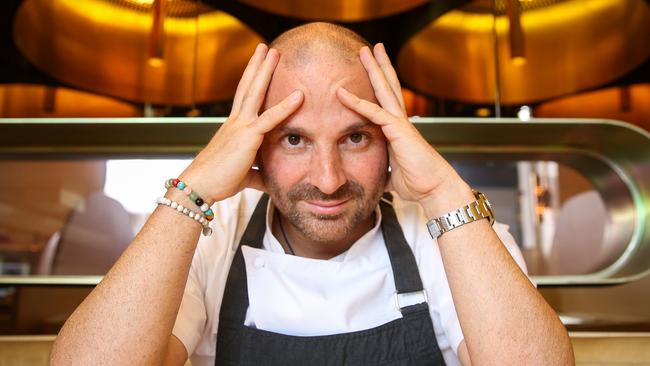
{"x": 542, "y": 104}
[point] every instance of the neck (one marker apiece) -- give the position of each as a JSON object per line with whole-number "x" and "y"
{"x": 304, "y": 246}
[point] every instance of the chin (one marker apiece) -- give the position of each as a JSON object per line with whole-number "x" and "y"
{"x": 328, "y": 228}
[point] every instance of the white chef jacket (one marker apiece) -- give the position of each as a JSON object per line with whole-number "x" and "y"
{"x": 307, "y": 297}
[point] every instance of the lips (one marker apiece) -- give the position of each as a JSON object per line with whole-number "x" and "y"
{"x": 328, "y": 208}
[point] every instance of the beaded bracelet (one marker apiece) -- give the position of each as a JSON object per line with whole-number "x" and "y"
{"x": 206, "y": 231}
{"x": 194, "y": 197}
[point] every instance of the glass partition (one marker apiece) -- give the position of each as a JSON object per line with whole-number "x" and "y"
{"x": 75, "y": 217}
{"x": 71, "y": 203}
{"x": 88, "y": 211}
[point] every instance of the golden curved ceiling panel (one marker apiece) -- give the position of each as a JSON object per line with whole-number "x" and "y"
{"x": 629, "y": 103}
{"x": 569, "y": 46}
{"x": 501, "y": 6}
{"x": 174, "y": 8}
{"x": 335, "y": 10}
{"x": 104, "y": 47}
{"x": 40, "y": 101}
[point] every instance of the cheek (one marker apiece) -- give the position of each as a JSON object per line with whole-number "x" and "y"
{"x": 286, "y": 170}
{"x": 368, "y": 167}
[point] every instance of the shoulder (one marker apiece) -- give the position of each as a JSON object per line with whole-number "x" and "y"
{"x": 230, "y": 219}
{"x": 197, "y": 319}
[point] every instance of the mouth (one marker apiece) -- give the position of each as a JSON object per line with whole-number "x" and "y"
{"x": 326, "y": 208}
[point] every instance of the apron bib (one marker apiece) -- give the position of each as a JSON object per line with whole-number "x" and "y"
{"x": 409, "y": 340}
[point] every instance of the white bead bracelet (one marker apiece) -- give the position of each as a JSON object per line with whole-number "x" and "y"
{"x": 207, "y": 230}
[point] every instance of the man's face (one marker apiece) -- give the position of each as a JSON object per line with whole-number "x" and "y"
{"x": 325, "y": 167}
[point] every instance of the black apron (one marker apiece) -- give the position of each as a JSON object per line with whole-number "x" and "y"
{"x": 409, "y": 340}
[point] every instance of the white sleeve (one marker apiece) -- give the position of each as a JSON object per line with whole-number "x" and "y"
{"x": 510, "y": 244}
{"x": 192, "y": 317}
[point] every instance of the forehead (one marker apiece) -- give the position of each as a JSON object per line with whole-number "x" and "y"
{"x": 319, "y": 82}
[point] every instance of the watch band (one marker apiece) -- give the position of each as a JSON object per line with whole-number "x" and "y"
{"x": 477, "y": 210}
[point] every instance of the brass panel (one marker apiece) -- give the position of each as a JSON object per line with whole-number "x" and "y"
{"x": 40, "y": 101}
{"x": 629, "y": 103}
{"x": 569, "y": 46}
{"x": 335, "y": 10}
{"x": 101, "y": 46}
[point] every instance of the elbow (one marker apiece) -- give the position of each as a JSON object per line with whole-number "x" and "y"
{"x": 565, "y": 350}
{"x": 58, "y": 355}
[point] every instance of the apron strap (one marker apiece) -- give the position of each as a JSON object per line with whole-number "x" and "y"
{"x": 410, "y": 295}
{"x": 235, "y": 299}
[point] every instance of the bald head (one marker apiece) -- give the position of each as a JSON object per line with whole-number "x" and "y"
{"x": 318, "y": 58}
{"x": 318, "y": 42}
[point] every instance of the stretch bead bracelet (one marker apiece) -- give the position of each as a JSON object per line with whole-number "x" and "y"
{"x": 207, "y": 230}
{"x": 193, "y": 196}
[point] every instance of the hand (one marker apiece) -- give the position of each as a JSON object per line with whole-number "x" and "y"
{"x": 418, "y": 172}
{"x": 224, "y": 166}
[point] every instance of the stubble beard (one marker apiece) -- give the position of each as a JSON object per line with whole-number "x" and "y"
{"x": 325, "y": 228}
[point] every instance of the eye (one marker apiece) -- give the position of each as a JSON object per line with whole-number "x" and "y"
{"x": 356, "y": 138}
{"x": 293, "y": 140}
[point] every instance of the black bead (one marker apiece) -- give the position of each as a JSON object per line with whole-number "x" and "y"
{"x": 199, "y": 202}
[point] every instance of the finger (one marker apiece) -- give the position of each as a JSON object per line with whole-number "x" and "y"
{"x": 383, "y": 90}
{"x": 246, "y": 79}
{"x": 254, "y": 180}
{"x": 278, "y": 113}
{"x": 389, "y": 71}
{"x": 255, "y": 95}
{"x": 371, "y": 111}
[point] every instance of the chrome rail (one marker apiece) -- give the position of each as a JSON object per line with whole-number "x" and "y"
{"x": 613, "y": 155}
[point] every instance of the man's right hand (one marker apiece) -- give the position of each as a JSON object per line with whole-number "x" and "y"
{"x": 224, "y": 166}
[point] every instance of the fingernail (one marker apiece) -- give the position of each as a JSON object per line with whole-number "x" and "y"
{"x": 295, "y": 96}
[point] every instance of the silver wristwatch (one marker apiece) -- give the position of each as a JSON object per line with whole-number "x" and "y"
{"x": 477, "y": 210}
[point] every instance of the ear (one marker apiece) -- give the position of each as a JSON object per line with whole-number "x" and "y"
{"x": 258, "y": 163}
{"x": 388, "y": 187}
{"x": 254, "y": 180}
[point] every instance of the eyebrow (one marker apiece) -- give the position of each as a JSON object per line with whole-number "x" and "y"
{"x": 293, "y": 130}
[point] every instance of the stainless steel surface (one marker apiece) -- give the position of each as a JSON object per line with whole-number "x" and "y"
{"x": 50, "y": 280}
{"x": 612, "y": 155}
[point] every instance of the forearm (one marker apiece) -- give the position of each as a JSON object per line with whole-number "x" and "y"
{"x": 129, "y": 316}
{"x": 503, "y": 317}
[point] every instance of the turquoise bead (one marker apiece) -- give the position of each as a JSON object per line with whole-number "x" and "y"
{"x": 209, "y": 212}
{"x": 180, "y": 185}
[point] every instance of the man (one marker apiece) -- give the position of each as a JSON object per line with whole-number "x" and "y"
{"x": 329, "y": 271}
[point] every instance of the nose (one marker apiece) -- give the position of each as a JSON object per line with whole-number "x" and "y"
{"x": 326, "y": 170}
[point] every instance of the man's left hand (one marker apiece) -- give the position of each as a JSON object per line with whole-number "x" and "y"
{"x": 418, "y": 171}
